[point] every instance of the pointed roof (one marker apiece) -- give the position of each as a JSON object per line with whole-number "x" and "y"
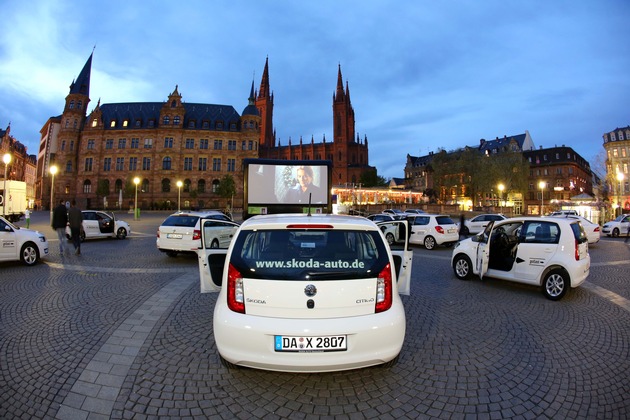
{"x": 251, "y": 109}
{"x": 339, "y": 95}
{"x": 264, "y": 82}
{"x": 82, "y": 83}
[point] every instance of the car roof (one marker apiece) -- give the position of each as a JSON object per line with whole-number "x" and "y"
{"x": 280, "y": 221}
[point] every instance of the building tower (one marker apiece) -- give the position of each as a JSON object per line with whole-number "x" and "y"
{"x": 264, "y": 103}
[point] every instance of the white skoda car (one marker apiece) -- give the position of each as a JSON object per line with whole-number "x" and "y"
{"x": 99, "y": 224}
{"x": 20, "y": 244}
{"x": 303, "y": 293}
{"x": 548, "y": 252}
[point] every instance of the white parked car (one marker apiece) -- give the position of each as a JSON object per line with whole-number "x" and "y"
{"x": 432, "y": 230}
{"x": 389, "y": 230}
{"x": 20, "y": 244}
{"x": 99, "y": 224}
{"x": 593, "y": 231}
{"x": 181, "y": 232}
{"x": 303, "y": 293}
{"x": 617, "y": 227}
{"x": 478, "y": 223}
{"x": 548, "y": 252}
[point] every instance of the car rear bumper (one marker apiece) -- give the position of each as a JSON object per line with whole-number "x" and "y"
{"x": 248, "y": 340}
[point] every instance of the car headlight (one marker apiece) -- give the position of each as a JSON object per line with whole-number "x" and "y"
{"x": 42, "y": 239}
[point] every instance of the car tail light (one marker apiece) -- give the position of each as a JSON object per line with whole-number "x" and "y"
{"x": 596, "y": 229}
{"x": 384, "y": 289}
{"x": 158, "y": 233}
{"x": 196, "y": 234}
{"x": 235, "y": 295}
{"x": 439, "y": 229}
{"x": 577, "y": 250}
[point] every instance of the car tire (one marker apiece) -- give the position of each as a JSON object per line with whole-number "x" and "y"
{"x": 82, "y": 235}
{"x": 462, "y": 267}
{"x": 171, "y": 254}
{"x": 429, "y": 242}
{"x": 121, "y": 233}
{"x": 615, "y": 233}
{"x": 390, "y": 238}
{"x": 465, "y": 231}
{"x": 555, "y": 284}
{"x": 29, "y": 254}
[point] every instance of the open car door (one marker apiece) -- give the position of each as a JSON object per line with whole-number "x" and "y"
{"x": 483, "y": 249}
{"x": 396, "y": 233}
{"x": 216, "y": 236}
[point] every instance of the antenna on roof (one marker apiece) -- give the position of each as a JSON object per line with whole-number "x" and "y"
{"x": 309, "y": 204}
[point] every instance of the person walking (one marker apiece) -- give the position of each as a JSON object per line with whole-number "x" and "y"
{"x": 75, "y": 220}
{"x": 59, "y": 223}
{"x": 27, "y": 217}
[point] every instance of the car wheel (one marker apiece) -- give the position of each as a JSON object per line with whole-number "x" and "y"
{"x": 429, "y": 242}
{"x": 465, "y": 231}
{"x": 615, "y": 233}
{"x": 555, "y": 284}
{"x": 82, "y": 235}
{"x": 214, "y": 244}
{"x": 390, "y": 238}
{"x": 462, "y": 267}
{"x": 122, "y": 233}
{"x": 171, "y": 254}
{"x": 29, "y": 253}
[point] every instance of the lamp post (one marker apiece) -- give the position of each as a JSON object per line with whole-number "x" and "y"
{"x": 53, "y": 170}
{"x": 6, "y": 159}
{"x": 136, "y": 181}
{"x": 620, "y": 179}
{"x": 179, "y": 194}
{"x": 501, "y": 188}
{"x": 542, "y": 196}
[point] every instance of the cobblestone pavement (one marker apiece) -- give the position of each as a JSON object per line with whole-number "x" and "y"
{"x": 123, "y": 332}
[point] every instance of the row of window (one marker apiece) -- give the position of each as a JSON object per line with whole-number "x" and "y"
{"x": 132, "y": 164}
{"x": 166, "y": 120}
{"x": 145, "y": 186}
{"x": 619, "y": 136}
{"x": 168, "y": 144}
{"x": 617, "y": 152}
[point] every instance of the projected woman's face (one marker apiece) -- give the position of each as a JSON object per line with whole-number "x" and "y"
{"x": 304, "y": 179}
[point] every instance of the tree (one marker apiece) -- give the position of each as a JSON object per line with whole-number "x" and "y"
{"x": 227, "y": 187}
{"x": 372, "y": 179}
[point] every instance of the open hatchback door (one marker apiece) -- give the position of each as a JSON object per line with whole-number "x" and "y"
{"x": 396, "y": 233}
{"x": 216, "y": 238}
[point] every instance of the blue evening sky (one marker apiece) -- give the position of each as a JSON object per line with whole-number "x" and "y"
{"x": 423, "y": 74}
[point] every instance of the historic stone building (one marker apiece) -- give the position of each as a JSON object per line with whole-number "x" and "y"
{"x": 617, "y": 146}
{"x": 98, "y": 155}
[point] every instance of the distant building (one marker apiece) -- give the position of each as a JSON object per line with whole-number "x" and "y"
{"x": 98, "y": 154}
{"x": 22, "y": 165}
{"x": 617, "y": 146}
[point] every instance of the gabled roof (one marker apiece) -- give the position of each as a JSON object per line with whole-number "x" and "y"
{"x": 82, "y": 84}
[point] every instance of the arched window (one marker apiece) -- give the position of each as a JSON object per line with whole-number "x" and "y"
{"x": 166, "y": 163}
{"x": 166, "y": 185}
{"x": 145, "y": 186}
{"x": 87, "y": 186}
{"x": 187, "y": 185}
{"x": 173, "y": 104}
{"x": 118, "y": 186}
{"x": 69, "y": 166}
{"x": 201, "y": 186}
{"x": 166, "y": 120}
{"x": 176, "y": 120}
{"x": 215, "y": 185}
{"x": 71, "y": 104}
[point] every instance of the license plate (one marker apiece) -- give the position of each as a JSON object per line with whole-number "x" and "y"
{"x": 452, "y": 231}
{"x": 311, "y": 344}
{"x": 174, "y": 235}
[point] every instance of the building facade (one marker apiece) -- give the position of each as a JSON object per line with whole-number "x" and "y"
{"x": 98, "y": 155}
{"x": 22, "y": 165}
{"x": 617, "y": 147}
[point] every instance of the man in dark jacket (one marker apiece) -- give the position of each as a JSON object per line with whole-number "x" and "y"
{"x": 59, "y": 223}
{"x": 75, "y": 220}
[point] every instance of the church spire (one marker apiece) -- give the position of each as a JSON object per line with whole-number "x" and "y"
{"x": 82, "y": 84}
{"x": 339, "y": 95}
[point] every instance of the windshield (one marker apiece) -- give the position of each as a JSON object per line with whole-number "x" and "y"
{"x": 309, "y": 254}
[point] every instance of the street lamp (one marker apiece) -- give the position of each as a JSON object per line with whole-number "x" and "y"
{"x": 136, "y": 181}
{"x": 501, "y": 188}
{"x": 542, "y": 195}
{"x": 53, "y": 170}
{"x": 179, "y": 193}
{"x": 6, "y": 159}
{"x": 620, "y": 179}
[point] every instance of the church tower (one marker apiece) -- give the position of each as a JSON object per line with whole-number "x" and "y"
{"x": 264, "y": 103}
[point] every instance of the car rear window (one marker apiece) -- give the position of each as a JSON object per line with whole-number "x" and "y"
{"x": 444, "y": 220}
{"x": 309, "y": 254}
{"x": 181, "y": 220}
{"x": 578, "y": 232}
